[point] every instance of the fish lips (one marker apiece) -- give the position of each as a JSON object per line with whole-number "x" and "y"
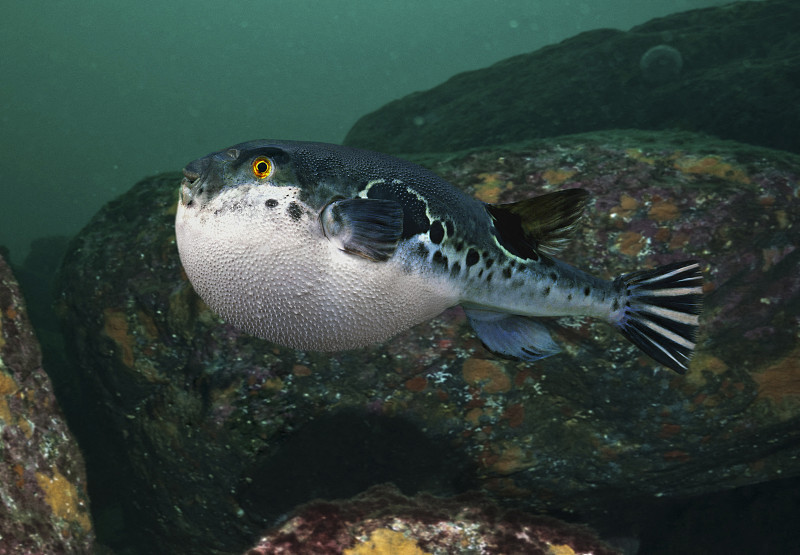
{"x": 206, "y": 175}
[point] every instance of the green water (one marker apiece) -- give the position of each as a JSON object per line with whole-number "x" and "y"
{"x": 96, "y": 94}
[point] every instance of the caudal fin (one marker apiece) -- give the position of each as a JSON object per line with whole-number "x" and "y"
{"x": 661, "y": 311}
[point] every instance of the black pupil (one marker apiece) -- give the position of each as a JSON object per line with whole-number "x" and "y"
{"x": 261, "y": 167}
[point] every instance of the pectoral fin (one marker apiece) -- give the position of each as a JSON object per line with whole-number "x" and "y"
{"x": 369, "y": 228}
{"x": 512, "y": 336}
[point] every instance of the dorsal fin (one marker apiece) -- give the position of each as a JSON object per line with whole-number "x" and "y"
{"x": 542, "y": 224}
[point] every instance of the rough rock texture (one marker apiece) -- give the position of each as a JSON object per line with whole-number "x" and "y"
{"x": 737, "y": 76}
{"x": 383, "y": 521}
{"x": 224, "y": 433}
{"x": 43, "y": 502}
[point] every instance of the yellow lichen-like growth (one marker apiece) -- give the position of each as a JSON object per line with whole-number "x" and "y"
{"x": 557, "y": 177}
{"x": 384, "y": 541}
{"x": 638, "y": 155}
{"x": 490, "y": 187}
{"x": 561, "y": 550}
{"x": 711, "y": 165}
{"x": 63, "y": 498}
{"x": 7, "y": 387}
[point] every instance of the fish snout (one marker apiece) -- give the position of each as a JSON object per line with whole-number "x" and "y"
{"x": 186, "y": 189}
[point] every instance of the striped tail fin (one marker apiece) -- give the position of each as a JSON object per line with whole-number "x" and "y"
{"x": 661, "y": 311}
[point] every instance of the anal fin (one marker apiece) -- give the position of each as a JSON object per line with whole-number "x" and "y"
{"x": 512, "y": 336}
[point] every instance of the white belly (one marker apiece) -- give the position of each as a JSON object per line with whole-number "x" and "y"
{"x": 282, "y": 280}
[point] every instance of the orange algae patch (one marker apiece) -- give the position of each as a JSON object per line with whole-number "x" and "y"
{"x": 515, "y": 415}
{"x": 781, "y": 381}
{"x": 490, "y": 187}
{"x": 679, "y": 240}
{"x": 486, "y": 374}
{"x": 301, "y": 370}
{"x": 416, "y": 384}
{"x": 557, "y": 177}
{"x": 626, "y": 207}
{"x": 473, "y": 416}
{"x": 512, "y": 459}
{"x": 384, "y": 541}
{"x": 630, "y": 243}
{"x": 663, "y": 210}
{"x": 62, "y": 497}
{"x": 273, "y": 384}
{"x": 676, "y": 455}
{"x": 116, "y": 327}
{"x": 712, "y": 166}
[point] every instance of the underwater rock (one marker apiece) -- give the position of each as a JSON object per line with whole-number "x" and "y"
{"x": 661, "y": 64}
{"x": 729, "y": 71}
{"x": 44, "y": 506}
{"x": 206, "y": 436}
{"x": 383, "y": 521}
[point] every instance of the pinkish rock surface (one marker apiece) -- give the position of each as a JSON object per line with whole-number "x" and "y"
{"x": 43, "y": 503}
{"x": 382, "y": 521}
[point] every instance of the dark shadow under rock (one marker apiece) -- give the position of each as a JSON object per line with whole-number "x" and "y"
{"x": 339, "y": 455}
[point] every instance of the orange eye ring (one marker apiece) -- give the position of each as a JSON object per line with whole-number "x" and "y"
{"x": 262, "y": 167}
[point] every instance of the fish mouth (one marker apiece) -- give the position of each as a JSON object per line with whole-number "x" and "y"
{"x": 193, "y": 173}
{"x": 204, "y": 175}
{"x": 186, "y": 191}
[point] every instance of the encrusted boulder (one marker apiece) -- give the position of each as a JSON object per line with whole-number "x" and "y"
{"x": 209, "y": 436}
{"x": 729, "y": 71}
{"x": 43, "y": 502}
{"x": 383, "y": 521}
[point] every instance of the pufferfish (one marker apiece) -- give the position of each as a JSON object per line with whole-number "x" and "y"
{"x": 323, "y": 247}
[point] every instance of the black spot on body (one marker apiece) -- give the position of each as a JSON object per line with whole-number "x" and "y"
{"x": 456, "y": 269}
{"x": 489, "y": 277}
{"x": 271, "y": 203}
{"x": 587, "y": 290}
{"x": 439, "y": 258}
{"x": 422, "y": 250}
{"x": 569, "y": 297}
{"x": 507, "y": 273}
{"x": 294, "y": 211}
{"x": 553, "y": 276}
{"x": 450, "y": 229}
{"x": 436, "y": 232}
{"x": 472, "y": 257}
{"x": 546, "y": 291}
{"x": 615, "y": 305}
{"x": 459, "y": 246}
{"x": 489, "y": 262}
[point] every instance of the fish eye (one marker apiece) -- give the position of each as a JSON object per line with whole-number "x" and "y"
{"x": 262, "y": 167}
